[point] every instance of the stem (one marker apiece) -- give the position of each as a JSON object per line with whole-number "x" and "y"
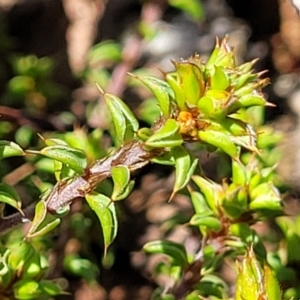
{"x": 11, "y": 221}
{"x": 132, "y": 155}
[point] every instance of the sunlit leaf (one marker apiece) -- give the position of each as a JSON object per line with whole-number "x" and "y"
{"x": 125, "y": 123}
{"x": 122, "y": 183}
{"x": 72, "y": 157}
{"x": 184, "y": 168}
{"x": 36, "y": 228}
{"x": 10, "y": 196}
{"x": 8, "y": 149}
{"x": 106, "y": 212}
{"x": 207, "y": 221}
{"x": 161, "y": 91}
{"x": 167, "y": 136}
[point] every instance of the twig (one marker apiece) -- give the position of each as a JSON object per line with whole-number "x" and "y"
{"x": 9, "y": 222}
{"x": 132, "y": 155}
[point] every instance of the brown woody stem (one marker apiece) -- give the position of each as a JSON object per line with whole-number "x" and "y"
{"x": 132, "y": 155}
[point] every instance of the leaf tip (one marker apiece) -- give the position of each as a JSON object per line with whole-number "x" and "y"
{"x": 99, "y": 88}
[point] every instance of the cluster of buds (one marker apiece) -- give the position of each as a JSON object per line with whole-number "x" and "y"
{"x": 205, "y": 99}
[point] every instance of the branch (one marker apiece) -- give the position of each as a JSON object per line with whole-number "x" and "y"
{"x": 132, "y": 155}
{"x": 9, "y": 222}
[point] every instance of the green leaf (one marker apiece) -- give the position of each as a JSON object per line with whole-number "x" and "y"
{"x": 192, "y": 7}
{"x": 50, "y": 288}
{"x": 222, "y": 56}
{"x": 72, "y": 157}
{"x": 167, "y": 136}
{"x": 19, "y": 255}
{"x": 265, "y": 188}
{"x": 236, "y": 200}
{"x": 7, "y": 273}
{"x": 8, "y": 149}
{"x": 220, "y": 140}
{"x": 39, "y": 217}
{"x": 178, "y": 92}
{"x": 126, "y": 125}
{"x": 206, "y": 105}
{"x": 213, "y": 192}
{"x": 161, "y": 91}
{"x": 106, "y": 212}
{"x": 254, "y": 283}
{"x": 122, "y": 184}
{"x": 52, "y": 141}
{"x": 248, "y": 100}
{"x": 174, "y": 250}
{"x": 250, "y": 278}
{"x": 241, "y": 230}
{"x": 81, "y": 267}
{"x": 26, "y": 289}
{"x": 184, "y": 166}
{"x": 266, "y": 202}
{"x": 240, "y": 173}
{"x": 10, "y": 196}
{"x": 119, "y": 121}
{"x": 166, "y": 158}
{"x": 207, "y": 221}
{"x": 219, "y": 79}
{"x": 4, "y": 268}
{"x": 21, "y": 85}
{"x": 199, "y": 204}
{"x": 191, "y": 81}
{"x": 148, "y": 111}
{"x": 144, "y": 133}
{"x": 105, "y": 51}
{"x": 271, "y": 284}
{"x": 32, "y": 266}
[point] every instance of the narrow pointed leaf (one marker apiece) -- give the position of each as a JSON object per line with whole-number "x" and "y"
{"x": 239, "y": 173}
{"x": 250, "y": 279}
{"x": 206, "y": 105}
{"x": 209, "y": 222}
{"x": 167, "y": 136}
{"x": 214, "y": 55}
{"x": 72, "y": 157}
{"x": 39, "y": 217}
{"x": 166, "y": 158}
{"x": 10, "y": 196}
{"x": 106, "y": 212}
{"x": 184, "y": 168}
{"x": 45, "y": 229}
{"x": 126, "y": 125}
{"x": 253, "y": 99}
{"x": 50, "y": 288}
{"x": 220, "y": 140}
{"x": 191, "y": 81}
{"x": 161, "y": 91}
{"x": 122, "y": 183}
{"x": 178, "y": 92}
{"x": 271, "y": 284}
{"x": 219, "y": 79}
{"x": 174, "y": 250}
{"x": 8, "y": 149}
{"x": 118, "y": 119}
{"x": 199, "y": 204}
{"x": 211, "y": 191}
